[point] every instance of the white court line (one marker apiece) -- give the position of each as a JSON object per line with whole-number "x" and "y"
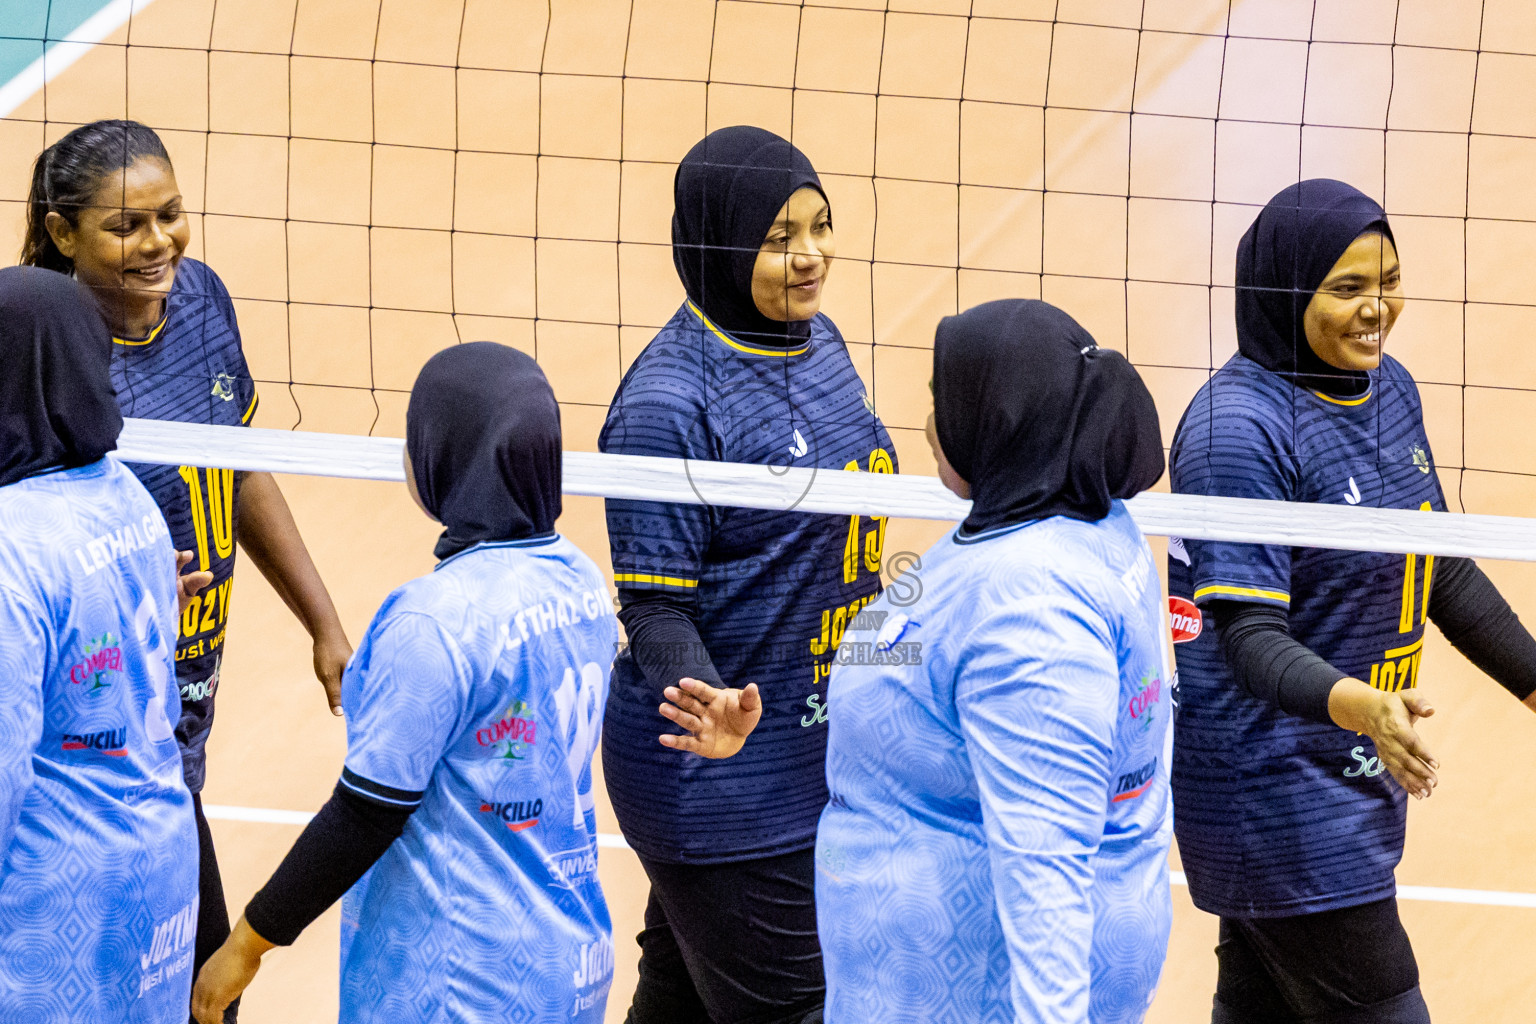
{"x": 66, "y": 51}
{"x": 1421, "y": 893}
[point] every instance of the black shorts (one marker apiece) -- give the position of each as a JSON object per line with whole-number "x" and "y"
{"x": 1347, "y": 966}
{"x": 730, "y": 944}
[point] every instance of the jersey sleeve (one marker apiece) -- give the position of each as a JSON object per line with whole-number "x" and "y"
{"x": 1036, "y": 695}
{"x": 405, "y": 697}
{"x": 1230, "y": 451}
{"x": 22, "y": 663}
{"x": 657, "y": 545}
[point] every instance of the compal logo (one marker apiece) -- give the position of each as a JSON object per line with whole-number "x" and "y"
{"x": 517, "y": 815}
{"x": 1184, "y": 619}
{"x": 1145, "y": 699}
{"x": 512, "y": 735}
{"x": 103, "y": 659}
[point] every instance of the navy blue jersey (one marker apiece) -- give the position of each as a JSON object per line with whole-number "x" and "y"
{"x": 774, "y": 590}
{"x": 1278, "y": 815}
{"x": 191, "y": 369}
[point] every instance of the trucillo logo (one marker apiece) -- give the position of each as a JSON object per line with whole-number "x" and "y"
{"x": 517, "y": 814}
{"x": 112, "y": 742}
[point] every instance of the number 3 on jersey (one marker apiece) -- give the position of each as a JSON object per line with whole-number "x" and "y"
{"x": 214, "y": 516}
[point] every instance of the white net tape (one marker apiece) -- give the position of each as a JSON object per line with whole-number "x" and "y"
{"x": 1399, "y": 531}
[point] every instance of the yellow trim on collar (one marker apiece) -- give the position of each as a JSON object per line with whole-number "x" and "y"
{"x": 1345, "y": 401}
{"x": 738, "y": 346}
{"x": 1224, "y": 591}
{"x": 145, "y": 341}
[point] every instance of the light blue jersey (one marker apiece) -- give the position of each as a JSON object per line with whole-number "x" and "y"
{"x": 478, "y": 692}
{"x": 995, "y": 849}
{"x": 98, "y": 850}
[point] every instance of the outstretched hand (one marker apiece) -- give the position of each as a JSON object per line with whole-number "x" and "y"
{"x": 189, "y": 584}
{"x": 718, "y": 720}
{"x": 1388, "y": 719}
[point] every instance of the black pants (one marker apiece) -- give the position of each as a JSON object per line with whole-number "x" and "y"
{"x": 730, "y": 944}
{"x": 212, "y": 914}
{"x": 1348, "y": 966}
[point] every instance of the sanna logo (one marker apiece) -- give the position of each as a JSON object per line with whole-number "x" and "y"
{"x": 101, "y": 665}
{"x": 1185, "y": 620}
{"x": 516, "y": 815}
{"x": 512, "y": 734}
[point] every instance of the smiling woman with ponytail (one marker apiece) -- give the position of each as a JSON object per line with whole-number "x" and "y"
{"x": 105, "y": 209}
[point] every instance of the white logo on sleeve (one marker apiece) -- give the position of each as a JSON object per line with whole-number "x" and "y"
{"x": 799, "y": 448}
{"x": 1353, "y": 496}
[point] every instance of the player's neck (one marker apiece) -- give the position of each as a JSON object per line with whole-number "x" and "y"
{"x": 131, "y": 318}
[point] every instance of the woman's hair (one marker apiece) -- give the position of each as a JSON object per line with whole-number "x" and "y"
{"x": 67, "y": 175}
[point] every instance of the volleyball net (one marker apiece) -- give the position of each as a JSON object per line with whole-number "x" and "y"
{"x": 376, "y": 180}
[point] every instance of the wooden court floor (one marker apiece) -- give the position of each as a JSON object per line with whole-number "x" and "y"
{"x": 376, "y": 179}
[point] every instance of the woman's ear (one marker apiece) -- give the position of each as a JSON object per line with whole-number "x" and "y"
{"x": 62, "y": 233}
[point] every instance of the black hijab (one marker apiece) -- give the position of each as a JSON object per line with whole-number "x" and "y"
{"x": 58, "y": 408}
{"x": 1037, "y": 418}
{"x": 483, "y": 432}
{"x": 726, "y": 194}
{"x": 1281, "y": 260}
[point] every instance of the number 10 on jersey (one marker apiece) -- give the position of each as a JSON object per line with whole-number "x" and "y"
{"x": 213, "y": 512}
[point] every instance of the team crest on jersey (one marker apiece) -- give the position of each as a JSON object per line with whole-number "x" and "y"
{"x": 102, "y": 664}
{"x": 1420, "y": 457}
{"x": 511, "y": 735}
{"x": 224, "y": 386}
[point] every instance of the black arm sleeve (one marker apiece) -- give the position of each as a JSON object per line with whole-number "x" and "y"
{"x": 664, "y": 638}
{"x": 335, "y": 849}
{"x": 1477, "y": 620}
{"x": 1271, "y": 664}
